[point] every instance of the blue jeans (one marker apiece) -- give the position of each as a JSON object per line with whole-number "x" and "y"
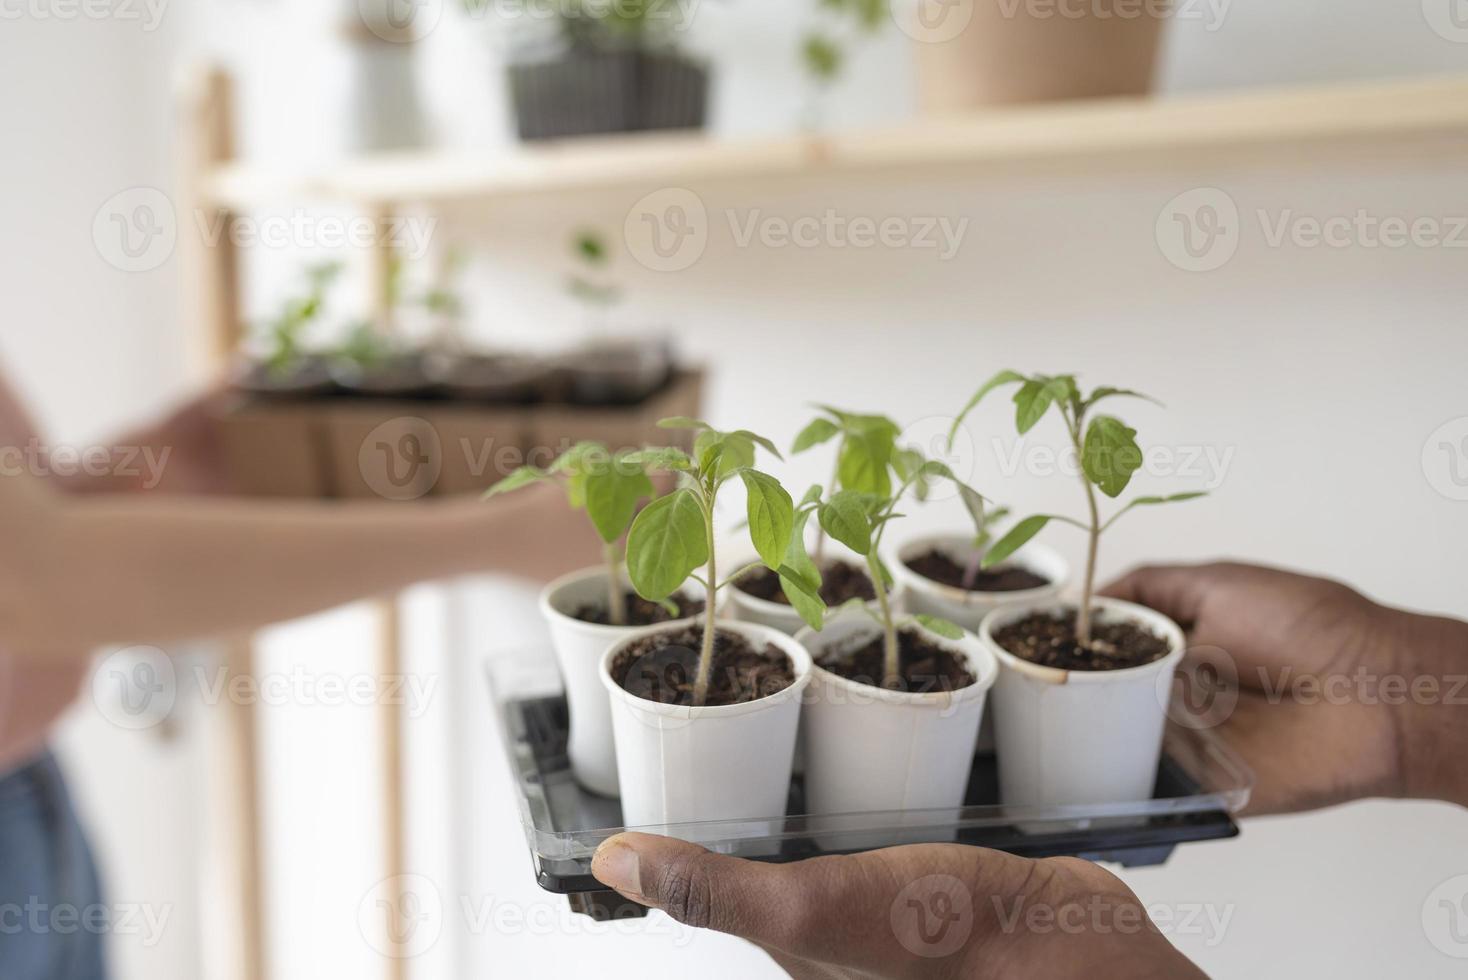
{"x": 48, "y": 882}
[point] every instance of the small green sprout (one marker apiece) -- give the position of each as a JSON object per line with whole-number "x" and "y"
{"x": 674, "y": 535}
{"x": 1108, "y": 453}
{"x": 859, "y": 519}
{"x": 865, "y": 454}
{"x": 608, "y": 487}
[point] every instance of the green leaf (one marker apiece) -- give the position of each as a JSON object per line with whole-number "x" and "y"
{"x": 798, "y": 563}
{"x": 660, "y": 458}
{"x": 866, "y": 454}
{"x": 1030, "y": 404}
{"x": 1017, "y": 537}
{"x": 1108, "y": 392}
{"x": 723, "y": 452}
{"x": 940, "y": 626}
{"x": 804, "y": 594}
{"x": 820, "y": 430}
{"x": 668, "y": 541}
{"x": 1175, "y": 498}
{"x": 682, "y": 422}
{"x": 812, "y": 497}
{"x": 973, "y": 502}
{"x": 887, "y": 578}
{"x": 845, "y": 518}
{"x": 822, "y": 57}
{"x": 612, "y": 493}
{"x": 522, "y": 477}
{"x": 771, "y": 516}
{"x": 1110, "y": 454}
{"x": 759, "y": 440}
{"x": 1004, "y": 377}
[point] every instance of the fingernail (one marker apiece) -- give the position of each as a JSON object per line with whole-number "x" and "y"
{"x": 615, "y": 864}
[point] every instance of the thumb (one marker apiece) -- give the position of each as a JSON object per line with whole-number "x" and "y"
{"x": 842, "y": 910}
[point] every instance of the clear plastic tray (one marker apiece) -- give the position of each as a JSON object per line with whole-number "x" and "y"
{"x": 1201, "y": 783}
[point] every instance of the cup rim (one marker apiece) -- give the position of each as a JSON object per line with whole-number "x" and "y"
{"x": 903, "y": 572}
{"x": 546, "y": 602}
{"x": 1056, "y": 675}
{"x": 800, "y": 661}
{"x": 980, "y": 659}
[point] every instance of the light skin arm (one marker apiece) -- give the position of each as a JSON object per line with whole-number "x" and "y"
{"x": 82, "y": 571}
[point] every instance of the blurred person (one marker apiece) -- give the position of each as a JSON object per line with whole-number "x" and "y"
{"x": 91, "y": 560}
{"x": 948, "y": 910}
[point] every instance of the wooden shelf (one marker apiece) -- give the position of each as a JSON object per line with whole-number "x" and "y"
{"x": 1420, "y": 117}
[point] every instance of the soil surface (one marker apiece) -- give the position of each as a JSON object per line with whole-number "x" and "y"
{"x": 1051, "y": 642}
{"x": 937, "y": 566}
{"x": 840, "y": 581}
{"x": 926, "y": 666}
{"x": 663, "y": 668}
{"x": 640, "y": 611}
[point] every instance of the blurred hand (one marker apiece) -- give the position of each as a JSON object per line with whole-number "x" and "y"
{"x": 180, "y": 453}
{"x": 550, "y": 539}
{"x": 1326, "y": 709}
{"x": 928, "y": 910}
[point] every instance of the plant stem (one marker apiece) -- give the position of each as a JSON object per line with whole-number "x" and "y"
{"x": 616, "y": 596}
{"x": 891, "y": 652}
{"x": 1093, "y": 540}
{"x": 706, "y": 651}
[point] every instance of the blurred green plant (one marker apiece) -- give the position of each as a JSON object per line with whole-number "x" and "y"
{"x": 285, "y": 332}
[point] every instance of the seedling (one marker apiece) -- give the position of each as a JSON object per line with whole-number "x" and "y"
{"x": 608, "y": 488}
{"x": 859, "y": 519}
{"x": 982, "y": 539}
{"x": 1108, "y": 453}
{"x": 674, "y": 535}
{"x": 286, "y": 330}
{"x": 864, "y": 454}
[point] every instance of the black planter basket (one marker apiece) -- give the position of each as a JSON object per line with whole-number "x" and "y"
{"x": 586, "y": 92}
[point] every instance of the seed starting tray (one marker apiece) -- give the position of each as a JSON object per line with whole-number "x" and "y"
{"x": 1201, "y": 783}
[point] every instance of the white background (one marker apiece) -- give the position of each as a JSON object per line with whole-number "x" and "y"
{"x": 1323, "y": 371}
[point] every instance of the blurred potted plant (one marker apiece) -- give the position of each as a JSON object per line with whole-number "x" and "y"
{"x": 823, "y": 49}
{"x": 285, "y": 366}
{"x": 608, "y": 370}
{"x": 464, "y": 373}
{"x": 1077, "y": 711}
{"x": 606, "y": 68}
{"x": 589, "y": 610}
{"x": 971, "y": 55}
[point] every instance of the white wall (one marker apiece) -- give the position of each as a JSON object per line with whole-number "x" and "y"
{"x": 1323, "y": 371}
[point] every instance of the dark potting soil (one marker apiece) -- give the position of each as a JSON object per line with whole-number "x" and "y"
{"x": 937, "y": 566}
{"x": 663, "y": 668}
{"x": 840, "y": 581}
{"x": 1050, "y": 641}
{"x": 925, "y": 666}
{"x": 640, "y": 611}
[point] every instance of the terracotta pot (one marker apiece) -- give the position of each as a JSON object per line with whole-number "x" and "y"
{"x": 973, "y": 53}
